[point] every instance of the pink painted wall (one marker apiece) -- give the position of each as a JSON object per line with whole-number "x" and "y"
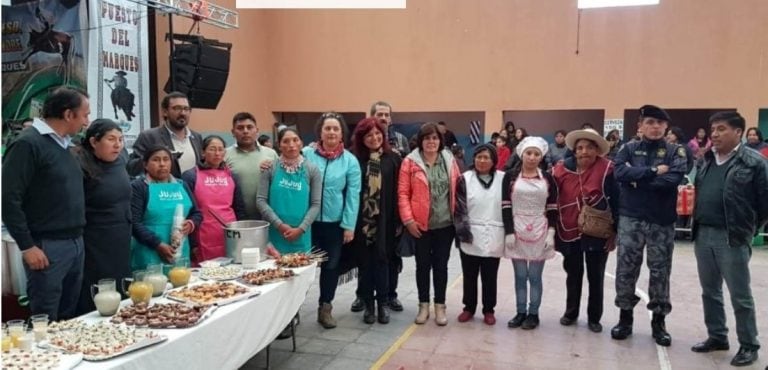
{"x": 493, "y": 56}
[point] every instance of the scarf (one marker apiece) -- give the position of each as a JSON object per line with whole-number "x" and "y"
{"x": 372, "y": 197}
{"x": 332, "y": 154}
{"x": 291, "y": 165}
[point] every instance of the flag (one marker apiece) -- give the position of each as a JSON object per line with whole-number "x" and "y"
{"x": 474, "y": 132}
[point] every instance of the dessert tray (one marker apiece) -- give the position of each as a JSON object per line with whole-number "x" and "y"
{"x": 102, "y": 341}
{"x": 293, "y": 260}
{"x": 40, "y": 358}
{"x": 266, "y": 276}
{"x": 221, "y": 273}
{"x": 211, "y": 293}
{"x": 163, "y": 315}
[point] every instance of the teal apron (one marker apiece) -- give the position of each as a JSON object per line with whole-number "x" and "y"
{"x": 158, "y": 218}
{"x": 289, "y": 198}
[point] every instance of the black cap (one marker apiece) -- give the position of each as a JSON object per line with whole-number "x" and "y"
{"x": 654, "y": 112}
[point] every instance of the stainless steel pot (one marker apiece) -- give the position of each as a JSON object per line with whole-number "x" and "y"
{"x": 246, "y": 234}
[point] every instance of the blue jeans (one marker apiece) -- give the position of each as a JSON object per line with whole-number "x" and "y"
{"x": 717, "y": 261}
{"x": 525, "y": 272}
{"x": 329, "y": 237}
{"x": 55, "y": 289}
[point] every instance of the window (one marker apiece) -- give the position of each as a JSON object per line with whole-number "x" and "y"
{"x": 588, "y": 4}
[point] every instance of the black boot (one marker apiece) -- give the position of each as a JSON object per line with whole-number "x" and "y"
{"x": 357, "y": 305}
{"x": 659, "y": 330}
{"x": 623, "y": 329}
{"x": 369, "y": 316}
{"x": 383, "y": 311}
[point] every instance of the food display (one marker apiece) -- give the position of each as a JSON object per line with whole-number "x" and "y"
{"x": 103, "y": 340}
{"x": 161, "y": 316}
{"x": 229, "y": 272}
{"x": 58, "y": 326}
{"x": 295, "y": 260}
{"x": 42, "y": 359}
{"x": 208, "y": 293}
{"x": 266, "y": 276}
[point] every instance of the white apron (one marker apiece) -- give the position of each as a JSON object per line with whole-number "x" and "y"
{"x": 484, "y": 213}
{"x": 529, "y": 204}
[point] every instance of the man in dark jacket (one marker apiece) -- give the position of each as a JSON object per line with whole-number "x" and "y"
{"x": 175, "y": 134}
{"x": 648, "y": 172}
{"x": 731, "y": 205}
{"x": 44, "y": 204}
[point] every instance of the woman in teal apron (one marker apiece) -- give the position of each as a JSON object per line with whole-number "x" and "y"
{"x": 155, "y": 199}
{"x": 289, "y": 196}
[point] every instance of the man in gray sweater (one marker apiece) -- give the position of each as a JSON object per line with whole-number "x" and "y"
{"x": 44, "y": 204}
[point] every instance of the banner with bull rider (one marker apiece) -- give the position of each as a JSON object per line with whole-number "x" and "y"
{"x": 43, "y": 48}
{"x": 118, "y": 65}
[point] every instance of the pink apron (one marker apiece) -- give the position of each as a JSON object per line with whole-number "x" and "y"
{"x": 529, "y": 200}
{"x": 214, "y": 190}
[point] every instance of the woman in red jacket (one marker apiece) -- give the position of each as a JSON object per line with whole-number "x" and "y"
{"x": 426, "y": 198}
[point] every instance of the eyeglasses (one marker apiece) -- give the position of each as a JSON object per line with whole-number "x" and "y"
{"x": 181, "y": 108}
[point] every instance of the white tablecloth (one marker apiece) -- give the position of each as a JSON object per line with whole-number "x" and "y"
{"x": 14, "y": 276}
{"x": 226, "y": 340}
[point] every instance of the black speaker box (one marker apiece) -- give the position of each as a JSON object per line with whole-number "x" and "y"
{"x": 201, "y": 69}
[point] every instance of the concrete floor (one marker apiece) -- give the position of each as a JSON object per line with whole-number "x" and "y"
{"x": 474, "y": 345}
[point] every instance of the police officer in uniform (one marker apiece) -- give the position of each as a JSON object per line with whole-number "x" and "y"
{"x": 648, "y": 171}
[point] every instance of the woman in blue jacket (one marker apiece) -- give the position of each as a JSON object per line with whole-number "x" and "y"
{"x": 335, "y": 225}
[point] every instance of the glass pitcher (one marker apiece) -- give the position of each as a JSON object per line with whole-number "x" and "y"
{"x": 107, "y": 300}
{"x": 180, "y": 272}
{"x": 139, "y": 289}
{"x": 157, "y": 279}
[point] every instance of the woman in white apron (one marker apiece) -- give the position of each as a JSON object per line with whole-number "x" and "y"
{"x": 529, "y": 213}
{"x": 480, "y": 230}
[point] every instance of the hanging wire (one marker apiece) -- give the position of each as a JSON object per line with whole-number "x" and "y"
{"x": 578, "y": 31}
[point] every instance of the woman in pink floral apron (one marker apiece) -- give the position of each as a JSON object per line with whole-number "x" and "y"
{"x": 529, "y": 211}
{"x": 216, "y": 190}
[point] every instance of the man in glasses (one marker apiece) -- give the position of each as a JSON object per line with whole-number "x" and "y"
{"x": 175, "y": 134}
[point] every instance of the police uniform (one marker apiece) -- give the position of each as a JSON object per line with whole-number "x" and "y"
{"x": 647, "y": 216}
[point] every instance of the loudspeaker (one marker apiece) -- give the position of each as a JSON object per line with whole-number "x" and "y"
{"x": 201, "y": 69}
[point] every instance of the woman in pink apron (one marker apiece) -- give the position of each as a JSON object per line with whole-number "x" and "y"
{"x": 216, "y": 191}
{"x": 529, "y": 213}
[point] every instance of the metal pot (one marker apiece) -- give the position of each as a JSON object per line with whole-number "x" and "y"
{"x": 246, "y": 234}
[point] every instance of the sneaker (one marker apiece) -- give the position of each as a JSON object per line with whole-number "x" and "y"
{"x": 516, "y": 321}
{"x": 465, "y": 316}
{"x": 531, "y": 322}
{"x": 489, "y": 318}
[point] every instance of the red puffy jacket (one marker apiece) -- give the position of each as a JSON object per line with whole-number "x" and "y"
{"x": 413, "y": 188}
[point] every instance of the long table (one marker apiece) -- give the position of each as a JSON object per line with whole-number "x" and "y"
{"x": 226, "y": 340}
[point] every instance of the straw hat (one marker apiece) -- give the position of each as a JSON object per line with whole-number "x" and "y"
{"x": 591, "y": 135}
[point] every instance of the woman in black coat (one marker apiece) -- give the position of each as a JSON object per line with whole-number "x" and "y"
{"x": 107, "y": 234}
{"x": 378, "y": 221}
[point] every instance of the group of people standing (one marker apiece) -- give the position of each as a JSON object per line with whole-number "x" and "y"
{"x": 366, "y": 196}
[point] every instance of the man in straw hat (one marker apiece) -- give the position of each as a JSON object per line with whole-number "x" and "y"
{"x": 648, "y": 172}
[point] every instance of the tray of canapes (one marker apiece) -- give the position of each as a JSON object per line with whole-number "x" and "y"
{"x": 102, "y": 341}
{"x": 57, "y": 326}
{"x": 266, "y": 276}
{"x": 162, "y": 315}
{"x": 220, "y": 273}
{"x": 40, "y": 359}
{"x": 211, "y": 293}
{"x": 292, "y": 260}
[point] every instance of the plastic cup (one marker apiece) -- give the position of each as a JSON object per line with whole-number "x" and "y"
{"x": 26, "y": 341}
{"x": 15, "y": 331}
